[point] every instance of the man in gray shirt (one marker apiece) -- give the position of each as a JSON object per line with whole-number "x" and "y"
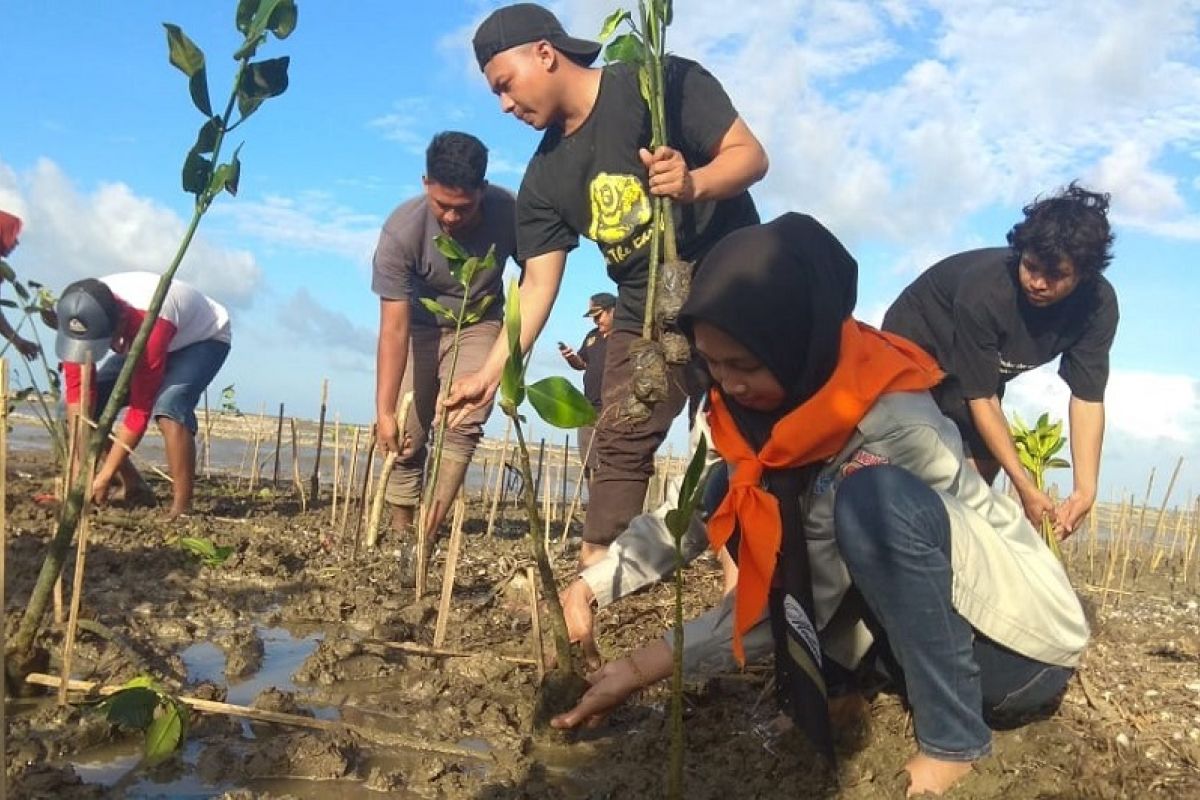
{"x": 415, "y": 348}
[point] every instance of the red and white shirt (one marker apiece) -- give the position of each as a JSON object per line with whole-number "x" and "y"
{"x": 188, "y": 316}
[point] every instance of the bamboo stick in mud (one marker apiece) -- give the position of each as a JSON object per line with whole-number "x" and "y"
{"x": 253, "y": 483}
{"x": 501, "y": 460}
{"x": 278, "y": 447}
{"x": 1135, "y": 532}
{"x": 81, "y": 534}
{"x": 537, "y": 480}
{"x": 314, "y": 481}
{"x": 3, "y": 561}
{"x": 296, "y": 480}
{"x": 535, "y": 620}
{"x": 562, "y": 539}
{"x": 237, "y": 481}
{"x": 452, "y": 551}
{"x": 485, "y": 471}
{"x": 1162, "y": 511}
{"x": 350, "y": 471}
{"x": 385, "y": 473}
{"x": 337, "y": 467}
{"x": 360, "y": 514}
{"x": 566, "y": 460}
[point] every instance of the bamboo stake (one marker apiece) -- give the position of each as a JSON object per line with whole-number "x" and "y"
{"x": 562, "y": 496}
{"x": 3, "y": 560}
{"x": 353, "y": 468}
{"x": 337, "y": 466}
{"x": 483, "y": 483}
{"x": 262, "y": 715}
{"x": 278, "y": 447}
{"x": 296, "y": 481}
{"x": 1162, "y": 511}
{"x": 456, "y": 534}
{"x": 81, "y": 536}
{"x": 500, "y": 470}
{"x": 254, "y": 461}
{"x": 562, "y": 540}
{"x": 536, "y": 619}
{"x": 1129, "y": 545}
{"x": 315, "y": 480}
{"x": 385, "y": 473}
{"x": 242, "y": 465}
{"x": 360, "y": 514}
{"x": 441, "y": 652}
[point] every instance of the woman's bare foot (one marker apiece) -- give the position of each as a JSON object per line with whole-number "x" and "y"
{"x": 933, "y": 775}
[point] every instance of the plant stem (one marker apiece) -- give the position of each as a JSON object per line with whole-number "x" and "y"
{"x": 558, "y": 621}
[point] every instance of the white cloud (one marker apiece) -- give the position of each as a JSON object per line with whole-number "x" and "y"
{"x": 310, "y": 221}
{"x": 70, "y": 234}
{"x": 305, "y": 319}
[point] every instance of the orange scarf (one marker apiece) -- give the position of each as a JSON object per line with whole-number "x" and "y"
{"x": 870, "y": 363}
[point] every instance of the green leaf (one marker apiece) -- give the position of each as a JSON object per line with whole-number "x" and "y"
{"x": 690, "y": 490}
{"x": 261, "y": 80}
{"x": 436, "y": 308}
{"x": 562, "y": 405}
{"x": 246, "y": 9}
{"x": 165, "y": 733}
{"x": 480, "y": 306}
{"x": 197, "y": 172}
{"x": 9, "y": 303}
{"x": 449, "y": 248}
{"x": 210, "y": 554}
{"x": 1042, "y": 421}
{"x": 1057, "y": 463}
{"x": 131, "y": 708}
{"x": 198, "y": 89}
{"x": 226, "y": 176}
{"x": 142, "y": 681}
{"x": 283, "y": 19}
{"x": 206, "y": 139}
{"x": 512, "y": 380}
{"x": 612, "y": 22}
{"x": 21, "y": 291}
{"x": 626, "y": 49}
{"x": 183, "y": 52}
{"x": 6, "y": 271}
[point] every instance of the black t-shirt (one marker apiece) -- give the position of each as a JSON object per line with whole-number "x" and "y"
{"x": 969, "y": 312}
{"x": 592, "y": 183}
{"x": 592, "y": 351}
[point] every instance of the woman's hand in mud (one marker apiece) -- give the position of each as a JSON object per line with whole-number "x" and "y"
{"x": 577, "y": 600}
{"x": 467, "y": 393}
{"x": 668, "y": 174}
{"x": 611, "y": 686}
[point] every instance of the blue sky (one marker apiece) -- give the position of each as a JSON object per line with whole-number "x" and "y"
{"x": 913, "y": 129}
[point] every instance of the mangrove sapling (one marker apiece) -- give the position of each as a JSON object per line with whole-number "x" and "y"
{"x": 562, "y": 405}
{"x": 678, "y": 519}
{"x": 465, "y": 268}
{"x": 141, "y": 704}
{"x": 205, "y": 177}
{"x": 1037, "y": 448}
{"x": 644, "y": 46}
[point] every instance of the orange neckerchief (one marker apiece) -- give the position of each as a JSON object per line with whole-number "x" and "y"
{"x": 870, "y": 363}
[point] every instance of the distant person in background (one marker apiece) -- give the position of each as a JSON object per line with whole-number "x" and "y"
{"x": 590, "y": 358}
{"x": 415, "y": 346}
{"x": 188, "y": 344}
{"x": 989, "y": 315}
{"x": 10, "y": 230}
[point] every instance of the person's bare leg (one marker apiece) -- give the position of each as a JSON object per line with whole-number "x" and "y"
{"x": 933, "y": 775}
{"x": 181, "y": 462}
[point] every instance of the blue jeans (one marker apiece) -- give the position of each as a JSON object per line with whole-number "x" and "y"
{"x": 189, "y": 372}
{"x": 894, "y": 535}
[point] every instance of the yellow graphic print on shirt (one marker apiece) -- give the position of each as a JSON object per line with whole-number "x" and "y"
{"x": 619, "y": 208}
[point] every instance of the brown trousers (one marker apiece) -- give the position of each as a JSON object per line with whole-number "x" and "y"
{"x": 624, "y": 452}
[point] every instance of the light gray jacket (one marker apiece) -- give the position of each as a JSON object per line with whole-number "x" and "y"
{"x": 1007, "y": 584}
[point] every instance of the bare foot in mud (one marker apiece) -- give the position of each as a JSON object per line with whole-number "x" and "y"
{"x": 934, "y": 776}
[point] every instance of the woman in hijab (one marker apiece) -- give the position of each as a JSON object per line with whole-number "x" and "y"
{"x": 853, "y": 516}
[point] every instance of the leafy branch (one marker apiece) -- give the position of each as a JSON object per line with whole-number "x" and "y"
{"x": 1037, "y": 447}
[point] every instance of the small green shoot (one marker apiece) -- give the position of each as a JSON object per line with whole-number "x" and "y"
{"x": 210, "y": 555}
{"x": 1037, "y": 447}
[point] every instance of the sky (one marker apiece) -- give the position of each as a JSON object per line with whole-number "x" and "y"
{"x": 913, "y": 129}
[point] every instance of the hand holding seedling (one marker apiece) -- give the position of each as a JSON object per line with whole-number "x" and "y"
{"x": 668, "y": 174}
{"x": 1037, "y": 504}
{"x": 577, "y": 601}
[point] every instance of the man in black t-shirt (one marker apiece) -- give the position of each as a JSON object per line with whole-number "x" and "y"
{"x": 592, "y": 176}
{"x": 590, "y": 358}
{"x": 989, "y": 315}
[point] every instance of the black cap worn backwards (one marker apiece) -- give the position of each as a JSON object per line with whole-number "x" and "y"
{"x": 522, "y": 23}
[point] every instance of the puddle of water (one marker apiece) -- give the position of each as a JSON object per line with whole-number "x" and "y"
{"x": 283, "y": 653}
{"x": 106, "y": 765}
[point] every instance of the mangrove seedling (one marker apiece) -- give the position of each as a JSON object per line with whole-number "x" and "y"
{"x": 1037, "y": 447}
{"x": 559, "y": 403}
{"x": 229, "y": 401}
{"x": 36, "y": 302}
{"x": 210, "y": 554}
{"x": 678, "y": 519}
{"x": 143, "y": 705}
{"x": 205, "y": 177}
{"x": 465, "y": 268}
{"x": 643, "y": 45}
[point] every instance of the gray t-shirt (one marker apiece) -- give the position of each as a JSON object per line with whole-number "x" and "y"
{"x": 408, "y": 266}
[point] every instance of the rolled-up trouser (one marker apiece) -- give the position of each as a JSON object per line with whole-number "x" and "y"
{"x": 625, "y": 451}
{"x": 894, "y": 535}
{"x": 188, "y": 373}
{"x": 430, "y": 351}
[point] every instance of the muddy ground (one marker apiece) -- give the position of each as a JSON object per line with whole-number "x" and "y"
{"x": 292, "y": 621}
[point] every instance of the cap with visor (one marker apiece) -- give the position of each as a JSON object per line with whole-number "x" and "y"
{"x": 522, "y": 23}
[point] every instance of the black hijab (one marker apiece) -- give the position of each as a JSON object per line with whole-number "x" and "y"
{"x": 782, "y": 290}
